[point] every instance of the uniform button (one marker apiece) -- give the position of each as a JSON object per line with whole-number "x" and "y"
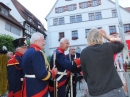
{"x": 119, "y": 90}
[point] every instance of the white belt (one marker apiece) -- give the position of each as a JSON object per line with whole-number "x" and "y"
{"x": 29, "y": 76}
{"x": 21, "y": 79}
{"x": 61, "y": 75}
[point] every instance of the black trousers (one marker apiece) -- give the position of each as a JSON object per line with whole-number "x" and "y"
{"x": 74, "y": 90}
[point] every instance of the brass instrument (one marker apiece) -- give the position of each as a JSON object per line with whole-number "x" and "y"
{"x": 77, "y": 77}
{"x": 71, "y": 80}
{"x": 55, "y": 81}
{"x": 71, "y": 85}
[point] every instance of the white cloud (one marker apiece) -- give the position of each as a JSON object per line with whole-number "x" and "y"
{"x": 124, "y": 3}
{"x": 40, "y": 8}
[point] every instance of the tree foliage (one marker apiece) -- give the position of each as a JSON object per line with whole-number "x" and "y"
{"x": 6, "y": 40}
{"x": 49, "y": 58}
{"x": 28, "y": 41}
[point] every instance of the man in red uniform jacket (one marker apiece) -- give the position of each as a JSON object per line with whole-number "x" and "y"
{"x": 14, "y": 68}
{"x": 63, "y": 64}
{"x": 36, "y": 69}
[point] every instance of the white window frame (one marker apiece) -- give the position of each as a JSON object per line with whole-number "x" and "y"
{"x": 61, "y": 21}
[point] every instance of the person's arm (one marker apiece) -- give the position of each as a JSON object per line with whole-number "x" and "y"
{"x": 116, "y": 47}
{"x": 115, "y": 43}
{"x": 65, "y": 63}
{"x": 111, "y": 39}
{"x": 40, "y": 71}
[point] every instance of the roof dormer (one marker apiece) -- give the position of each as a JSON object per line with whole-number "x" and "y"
{"x": 4, "y": 9}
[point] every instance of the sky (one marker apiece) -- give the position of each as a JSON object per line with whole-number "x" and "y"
{"x": 40, "y": 8}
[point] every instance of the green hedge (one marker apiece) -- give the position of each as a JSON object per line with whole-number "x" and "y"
{"x": 6, "y": 40}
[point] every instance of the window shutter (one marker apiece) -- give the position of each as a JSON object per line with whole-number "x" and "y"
{"x": 89, "y": 3}
{"x": 66, "y": 7}
{"x": 56, "y": 10}
{"x": 75, "y": 6}
{"x": 80, "y": 5}
{"x": 99, "y": 2}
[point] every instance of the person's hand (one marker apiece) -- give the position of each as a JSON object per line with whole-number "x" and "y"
{"x": 77, "y": 61}
{"x": 103, "y": 32}
{"x": 115, "y": 39}
{"x": 55, "y": 70}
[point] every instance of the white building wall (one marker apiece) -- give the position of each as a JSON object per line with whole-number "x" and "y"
{"x": 3, "y": 31}
{"x": 46, "y": 47}
{"x": 106, "y": 21}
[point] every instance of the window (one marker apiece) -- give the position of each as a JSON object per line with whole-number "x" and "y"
{"x": 39, "y": 26}
{"x": 72, "y": 19}
{"x": 71, "y": 7}
{"x": 61, "y": 21}
{"x": 8, "y": 27}
{"x": 94, "y": 3}
{"x": 98, "y": 16}
{"x": 4, "y": 11}
{"x": 12, "y": 29}
{"x": 55, "y": 21}
{"x": 60, "y": 9}
{"x": 79, "y": 18}
{"x": 84, "y": 4}
{"x": 99, "y": 28}
{"x": 29, "y": 19}
{"x": 61, "y": 35}
{"x": 15, "y": 30}
{"x": 114, "y": 13}
{"x": 27, "y": 29}
{"x": 86, "y": 32}
{"x": 74, "y": 35}
{"x": 91, "y": 16}
{"x": 127, "y": 27}
{"x": 112, "y": 29}
{"x": 32, "y": 30}
{"x": 78, "y": 50}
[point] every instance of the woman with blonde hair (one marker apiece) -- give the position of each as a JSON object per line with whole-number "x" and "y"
{"x": 97, "y": 64}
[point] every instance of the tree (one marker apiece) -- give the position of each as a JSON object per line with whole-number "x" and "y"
{"x": 28, "y": 41}
{"x": 6, "y": 40}
{"x": 49, "y": 58}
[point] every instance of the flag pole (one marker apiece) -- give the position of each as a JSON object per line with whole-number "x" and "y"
{"x": 125, "y": 51}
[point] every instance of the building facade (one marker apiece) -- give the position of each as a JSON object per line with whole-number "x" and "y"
{"x": 29, "y": 21}
{"x": 74, "y": 18}
{"x": 8, "y": 24}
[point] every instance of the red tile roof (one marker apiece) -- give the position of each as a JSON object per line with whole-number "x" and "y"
{"x": 127, "y": 8}
{"x": 26, "y": 14}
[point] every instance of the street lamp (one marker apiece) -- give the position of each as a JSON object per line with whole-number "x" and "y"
{"x": 125, "y": 50}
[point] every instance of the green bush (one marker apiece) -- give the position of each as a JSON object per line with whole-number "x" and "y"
{"x": 6, "y": 40}
{"x": 49, "y": 58}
